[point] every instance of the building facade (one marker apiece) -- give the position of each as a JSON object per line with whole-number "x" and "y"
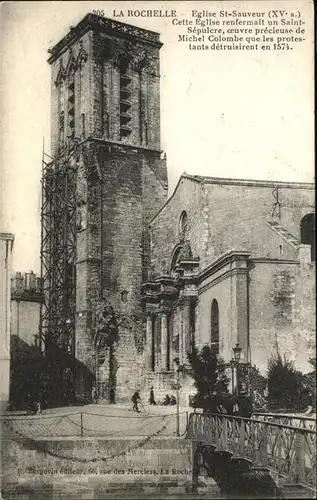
{"x": 6, "y": 246}
{"x": 233, "y": 262}
{"x": 130, "y": 279}
{"x": 106, "y": 96}
{"x": 26, "y": 300}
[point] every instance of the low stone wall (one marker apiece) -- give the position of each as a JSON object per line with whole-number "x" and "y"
{"x": 113, "y": 459}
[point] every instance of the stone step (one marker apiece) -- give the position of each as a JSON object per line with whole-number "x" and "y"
{"x": 91, "y": 495}
{"x": 85, "y": 490}
{"x": 296, "y": 491}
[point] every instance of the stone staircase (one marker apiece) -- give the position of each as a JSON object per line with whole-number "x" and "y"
{"x": 168, "y": 488}
{"x": 238, "y": 478}
{"x": 218, "y": 474}
{"x": 283, "y": 233}
{"x": 167, "y": 463}
{"x": 295, "y": 491}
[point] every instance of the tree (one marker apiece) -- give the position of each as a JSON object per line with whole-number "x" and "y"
{"x": 312, "y": 362}
{"x": 287, "y": 386}
{"x": 251, "y": 377}
{"x": 208, "y": 372}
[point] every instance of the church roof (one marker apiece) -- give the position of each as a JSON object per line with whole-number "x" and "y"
{"x": 247, "y": 182}
{"x": 238, "y": 182}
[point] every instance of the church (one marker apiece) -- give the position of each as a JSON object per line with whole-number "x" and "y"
{"x": 132, "y": 277}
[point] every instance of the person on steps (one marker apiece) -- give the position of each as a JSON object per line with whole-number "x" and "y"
{"x": 135, "y": 400}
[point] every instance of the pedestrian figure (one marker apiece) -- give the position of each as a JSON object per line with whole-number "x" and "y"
{"x": 135, "y": 400}
{"x": 152, "y": 399}
{"x": 38, "y": 408}
{"x": 167, "y": 400}
{"x": 112, "y": 397}
{"x": 94, "y": 395}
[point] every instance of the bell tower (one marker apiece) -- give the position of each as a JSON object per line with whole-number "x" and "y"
{"x": 106, "y": 84}
{"x": 106, "y": 107}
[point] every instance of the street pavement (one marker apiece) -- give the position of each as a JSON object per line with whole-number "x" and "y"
{"x": 117, "y": 421}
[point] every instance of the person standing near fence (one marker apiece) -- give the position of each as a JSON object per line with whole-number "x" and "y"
{"x": 152, "y": 398}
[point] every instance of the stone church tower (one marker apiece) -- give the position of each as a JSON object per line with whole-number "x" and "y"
{"x": 106, "y": 102}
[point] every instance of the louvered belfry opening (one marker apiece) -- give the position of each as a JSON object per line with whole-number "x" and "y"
{"x": 214, "y": 327}
{"x": 125, "y": 98}
{"x": 71, "y": 108}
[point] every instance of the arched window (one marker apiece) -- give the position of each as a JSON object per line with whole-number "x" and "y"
{"x": 214, "y": 326}
{"x": 307, "y": 233}
{"x": 176, "y": 256}
{"x": 182, "y": 227}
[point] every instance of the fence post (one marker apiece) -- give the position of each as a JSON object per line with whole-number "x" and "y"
{"x": 261, "y": 444}
{"x": 300, "y": 456}
{"x": 81, "y": 425}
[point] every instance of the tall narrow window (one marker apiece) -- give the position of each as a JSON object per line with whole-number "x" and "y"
{"x": 71, "y": 108}
{"x": 307, "y": 233}
{"x": 192, "y": 320}
{"x": 214, "y": 326}
{"x": 168, "y": 354}
{"x": 153, "y": 342}
{"x": 175, "y": 259}
{"x": 182, "y": 227}
{"x": 125, "y": 98}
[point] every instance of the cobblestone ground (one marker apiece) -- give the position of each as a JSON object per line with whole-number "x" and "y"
{"x": 99, "y": 420}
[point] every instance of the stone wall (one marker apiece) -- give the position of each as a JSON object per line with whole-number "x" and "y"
{"x": 25, "y": 320}
{"x": 165, "y": 235}
{"x": 45, "y": 459}
{"x": 228, "y": 214}
{"x": 113, "y": 249}
{"x": 277, "y": 320}
{"x": 226, "y": 282}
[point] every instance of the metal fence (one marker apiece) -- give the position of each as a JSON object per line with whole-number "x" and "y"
{"x": 290, "y": 451}
{"x": 89, "y": 424}
{"x": 301, "y": 421}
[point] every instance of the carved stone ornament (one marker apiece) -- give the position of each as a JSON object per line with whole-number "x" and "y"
{"x": 128, "y": 30}
{"x": 82, "y": 55}
{"x": 91, "y": 159}
{"x": 61, "y": 121}
{"x": 187, "y": 251}
{"x": 81, "y": 218}
{"x": 71, "y": 65}
{"x": 61, "y": 74}
{"x": 104, "y": 324}
{"x": 106, "y": 48}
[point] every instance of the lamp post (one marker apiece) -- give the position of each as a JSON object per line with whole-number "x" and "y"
{"x": 176, "y": 366}
{"x": 234, "y": 366}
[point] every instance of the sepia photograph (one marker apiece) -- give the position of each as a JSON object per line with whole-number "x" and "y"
{"x": 157, "y": 250}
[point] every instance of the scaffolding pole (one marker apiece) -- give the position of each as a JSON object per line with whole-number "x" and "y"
{"x": 58, "y": 251}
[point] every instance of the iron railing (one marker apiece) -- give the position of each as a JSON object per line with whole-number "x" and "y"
{"x": 91, "y": 424}
{"x": 290, "y": 451}
{"x": 304, "y": 422}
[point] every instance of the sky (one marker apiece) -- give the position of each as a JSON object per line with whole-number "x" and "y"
{"x": 223, "y": 114}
